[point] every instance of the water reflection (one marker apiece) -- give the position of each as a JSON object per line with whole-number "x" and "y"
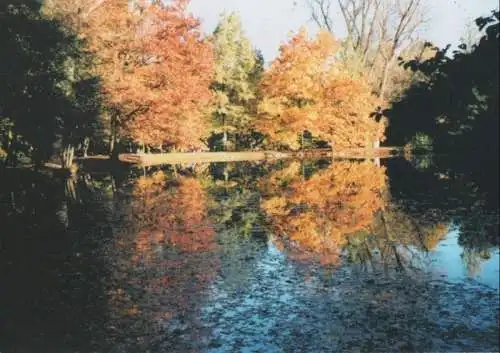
{"x": 51, "y": 296}
{"x": 316, "y": 215}
{"x": 435, "y": 196}
{"x": 214, "y": 257}
{"x": 161, "y": 262}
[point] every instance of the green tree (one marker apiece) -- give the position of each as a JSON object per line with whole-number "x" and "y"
{"x": 238, "y": 67}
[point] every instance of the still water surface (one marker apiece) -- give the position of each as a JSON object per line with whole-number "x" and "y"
{"x": 312, "y": 256}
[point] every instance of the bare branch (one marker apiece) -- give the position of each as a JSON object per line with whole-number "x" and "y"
{"x": 377, "y": 30}
{"x": 320, "y": 13}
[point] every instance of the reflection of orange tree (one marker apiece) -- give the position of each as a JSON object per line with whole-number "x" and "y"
{"x": 434, "y": 234}
{"x": 163, "y": 258}
{"x": 314, "y": 216}
{"x": 172, "y": 212}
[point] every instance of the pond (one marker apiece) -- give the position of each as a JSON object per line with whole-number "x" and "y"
{"x": 291, "y": 256}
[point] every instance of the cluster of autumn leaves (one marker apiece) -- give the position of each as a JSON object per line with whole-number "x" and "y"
{"x": 157, "y": 74}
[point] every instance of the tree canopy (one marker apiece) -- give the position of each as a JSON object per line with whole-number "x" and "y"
{"x": 305, "y": 89}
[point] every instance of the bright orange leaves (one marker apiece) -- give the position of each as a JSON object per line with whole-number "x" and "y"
{"x": 317, "y": 214}
{"x": 177, "y": 78}
{"x": 154, "y": 65}
{"x": 307, "y": 89}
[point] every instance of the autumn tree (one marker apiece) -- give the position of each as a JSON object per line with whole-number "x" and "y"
{"x": 306, "y": 89}
{"x": 237, "y": 66}
{"x": 177, "y": 76}
{"x": 154, "y": 66}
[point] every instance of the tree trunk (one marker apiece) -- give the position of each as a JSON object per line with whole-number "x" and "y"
{"x": 226, "y": 174}
{"x": 67, "y": 156}
{"x": 113, "y": 145}
{"x": 224, "y": 138}
{"x": 86, "y": 144}
{"x": 385, "y": 76}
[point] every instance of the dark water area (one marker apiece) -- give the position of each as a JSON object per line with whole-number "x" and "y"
{"x": 296, "y": 256}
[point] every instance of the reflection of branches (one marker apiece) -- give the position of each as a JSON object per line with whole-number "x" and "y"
{"x": 70, "y": 189}
{"x": 473, "y": 259}
{"x": 396, "y": 238}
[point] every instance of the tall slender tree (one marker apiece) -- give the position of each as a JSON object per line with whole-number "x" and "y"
{"x": 237, "y": 67}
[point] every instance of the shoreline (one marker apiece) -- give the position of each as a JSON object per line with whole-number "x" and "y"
{"x": 176, "y": 158}
{"x": 208, "y": 157}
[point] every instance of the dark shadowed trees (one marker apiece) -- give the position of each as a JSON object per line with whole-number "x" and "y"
{"x": 45, "y": 104}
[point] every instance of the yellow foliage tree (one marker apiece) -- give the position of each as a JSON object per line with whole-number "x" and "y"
{"x": 307, "y": 89}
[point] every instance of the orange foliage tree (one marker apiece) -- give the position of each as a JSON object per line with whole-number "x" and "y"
{"x": 316, "y": 215}
{"x": 154, "y": 65}
{"x": 177, "y": 78}
{"x": 307, "y": 89}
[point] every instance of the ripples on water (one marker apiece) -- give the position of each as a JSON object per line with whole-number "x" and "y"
{"x": 306, "y": 256}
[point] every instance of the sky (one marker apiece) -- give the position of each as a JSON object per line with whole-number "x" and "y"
{"x": 268, "y": 23}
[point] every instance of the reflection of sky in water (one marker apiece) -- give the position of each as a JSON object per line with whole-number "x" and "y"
{"x": 285, "y": 307}
{"x": 446, "y": 259}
